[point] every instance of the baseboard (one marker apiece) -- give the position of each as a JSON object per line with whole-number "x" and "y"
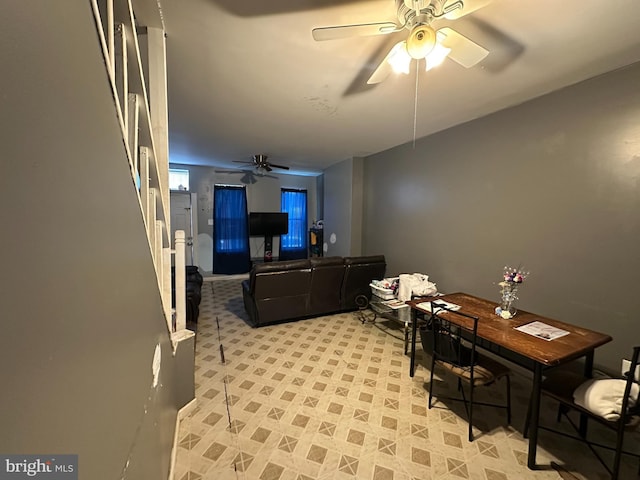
{"x": 183, "y": 413}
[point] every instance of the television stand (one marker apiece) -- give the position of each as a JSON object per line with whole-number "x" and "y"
{"x": 268, "y": 248}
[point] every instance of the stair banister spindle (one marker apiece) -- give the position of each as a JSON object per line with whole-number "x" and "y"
{"x": 181, "y": 303}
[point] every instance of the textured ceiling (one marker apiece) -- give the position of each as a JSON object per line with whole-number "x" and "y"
{"x": 246, "y": 77}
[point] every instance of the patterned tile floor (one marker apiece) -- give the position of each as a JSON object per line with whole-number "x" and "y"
{"x": 331, "y": 398}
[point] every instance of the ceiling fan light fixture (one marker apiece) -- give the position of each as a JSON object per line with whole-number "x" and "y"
{"x": 399, "y": 58}
{"x": 437, "y": 56}
{"x": 421, "y": 41}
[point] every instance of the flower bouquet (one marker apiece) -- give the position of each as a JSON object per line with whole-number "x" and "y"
{"x": 513, "y": 277}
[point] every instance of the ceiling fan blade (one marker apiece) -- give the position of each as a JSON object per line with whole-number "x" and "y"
{"x": 278, "y": 166}
{"x": 464, "y": 51}
{"x": 469, "y": 6}
{"x": 504, "y": 49}
{"x": 383, "y": 70}
{"x": 266, "y": 167}
{"x": 359, "y": 30}
{"x": 248, "y": 178}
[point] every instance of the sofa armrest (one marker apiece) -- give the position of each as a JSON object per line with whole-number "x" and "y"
{"x": 358, "y": 274}
{"x": 250, "y": 304}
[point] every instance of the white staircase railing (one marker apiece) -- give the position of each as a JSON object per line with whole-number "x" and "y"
{"x": 181, "y": 295}
{"x": 137, "y": 73}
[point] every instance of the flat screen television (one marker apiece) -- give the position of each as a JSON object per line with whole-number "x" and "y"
{"x": 268, "y": 223}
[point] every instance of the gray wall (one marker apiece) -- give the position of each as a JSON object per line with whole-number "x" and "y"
{"x": 262, "y": 196}
{"x": 81, "y": 312}
{"x": 320, "y": 197}
{"x": 357, "y": 199}
{"x": 343, "y": 197}
{"x": 552, "y": 184}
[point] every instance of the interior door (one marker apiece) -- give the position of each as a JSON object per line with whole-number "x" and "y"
{"x": 182, "y": 219}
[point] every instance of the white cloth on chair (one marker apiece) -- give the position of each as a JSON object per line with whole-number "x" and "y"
{"x": 415, "y": 284}
{"x": 604, "y": 396}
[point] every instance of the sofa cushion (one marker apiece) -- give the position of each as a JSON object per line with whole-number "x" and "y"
{"x": 282, "y": 284}
{"x": 282, "y": 266}
{"x": 373, "y": 259}
{"x": 326, "y": 261}
{"x": 275, "y": 267}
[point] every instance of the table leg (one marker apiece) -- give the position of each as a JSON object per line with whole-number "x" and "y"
{"x": 414, "y": 329}
{"x": 535, "y": 415}
{"x": 588, "y": 373}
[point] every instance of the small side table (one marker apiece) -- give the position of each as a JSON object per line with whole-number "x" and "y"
{"x": 402, "y": 315}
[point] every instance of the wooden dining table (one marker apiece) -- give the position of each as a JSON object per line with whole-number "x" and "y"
{"x": 501, "y": 337}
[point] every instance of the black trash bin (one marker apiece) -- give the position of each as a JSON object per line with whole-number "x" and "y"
{"x": 426, "y": 337}
{"x": 193, "y": 284}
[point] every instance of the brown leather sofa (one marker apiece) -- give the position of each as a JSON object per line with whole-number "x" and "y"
{"x": 290, "y": 290}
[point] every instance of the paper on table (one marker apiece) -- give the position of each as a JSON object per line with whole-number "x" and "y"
{"x": 427, "y": 306}
{"x": 542, "y": 330}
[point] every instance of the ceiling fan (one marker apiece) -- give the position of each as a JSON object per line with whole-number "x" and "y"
{"x": 261, "y": 163}
{"x": 423, "y": 41}
{"x": 249, "y": 177}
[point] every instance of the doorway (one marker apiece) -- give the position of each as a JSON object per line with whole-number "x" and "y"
{"x": 183, "y": 211}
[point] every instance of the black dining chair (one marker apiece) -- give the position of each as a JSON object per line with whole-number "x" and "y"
{"x": 617, "y": 411}
{"x": 460, "y": 358}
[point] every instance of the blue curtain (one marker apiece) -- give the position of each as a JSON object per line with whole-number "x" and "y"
{"x": 293, "y": 245}
{"x": 230, "y": 230}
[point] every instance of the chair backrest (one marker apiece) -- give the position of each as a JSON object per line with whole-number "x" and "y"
{"x": 630, "y": 376}
{"x": 449, "y": 328}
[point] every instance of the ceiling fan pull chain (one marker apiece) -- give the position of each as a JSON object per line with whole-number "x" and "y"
{"x": 415, "y": 105}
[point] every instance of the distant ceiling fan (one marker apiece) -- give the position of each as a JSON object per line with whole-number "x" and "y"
{"x": 423, "y": 41}
{"x": 261, "y": 163}
{"x": 249, "y": 177}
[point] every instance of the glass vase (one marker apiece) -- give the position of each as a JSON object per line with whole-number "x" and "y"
{"x": 509, "y": 291}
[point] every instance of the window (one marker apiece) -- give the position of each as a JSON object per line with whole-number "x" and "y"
{"x": 294, "y": 244}
{"x": 178, "y": 179}
{"x": 230, "y": 230}
{"x": 230, "y": 219}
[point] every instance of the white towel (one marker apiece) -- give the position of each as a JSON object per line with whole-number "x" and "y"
{"x": 604, "y": 397}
